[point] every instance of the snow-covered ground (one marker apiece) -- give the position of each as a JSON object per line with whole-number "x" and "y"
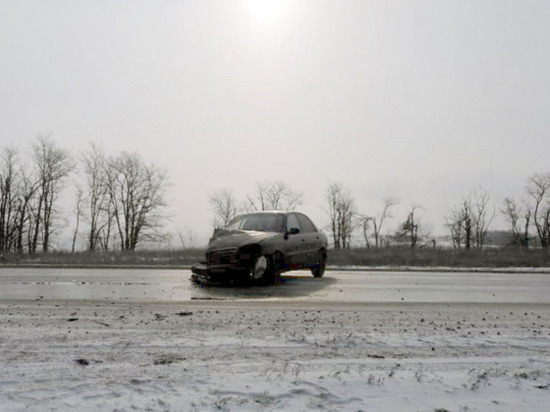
{"x": 271, "y": 354}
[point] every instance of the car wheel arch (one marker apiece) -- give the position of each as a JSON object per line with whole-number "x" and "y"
{"x": 279, "y": 261}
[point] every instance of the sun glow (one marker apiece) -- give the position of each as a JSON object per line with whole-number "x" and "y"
{"x": 267, "y": 11}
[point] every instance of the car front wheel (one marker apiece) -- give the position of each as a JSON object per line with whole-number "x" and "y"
{"x": 262, "y": 270}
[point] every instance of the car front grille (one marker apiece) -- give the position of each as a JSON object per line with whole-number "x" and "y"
{"x": 221, "y": 257}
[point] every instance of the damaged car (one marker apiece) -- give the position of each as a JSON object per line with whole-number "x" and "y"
{"x": 259, "y": 246}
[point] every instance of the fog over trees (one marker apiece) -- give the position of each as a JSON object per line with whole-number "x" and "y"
{"x": 120, "y": 203}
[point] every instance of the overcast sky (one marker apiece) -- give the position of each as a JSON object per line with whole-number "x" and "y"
{"x": 419, "y": 100}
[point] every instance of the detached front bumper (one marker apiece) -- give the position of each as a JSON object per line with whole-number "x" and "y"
{"x": 204, "y": 273}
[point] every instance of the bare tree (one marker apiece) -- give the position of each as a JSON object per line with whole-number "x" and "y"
{"x": 454, "y": 224}
{"x": 53, "y": 165}
{"x": 8, "y": 188}
{"x": 459, "y": 221}
{"x": 519, "y": 219}
{"x": 27, "y": 188}
{"x": 94, "y": 168}
{"x": 482, "y": 216}
{"x": 469, "y": 222}
{"x": 341, "y": 211}
{"x": 365, "y": 225}
{"x": 104, "y": 234}
{"x": 409, "y": 228}
{"x": 137, "y": 197}
{"x": 224, "y": 205}
{"x": 181, "y": 238}
{"x": 273, "y": 196}
{"x": 187, "y": 238}
{"x": 378, "y": 221}
{"x": 78, "y": 214}
{"x": 538, "y": 187}
{"x": 17, "y": 192}
{"x": 512, "y": 215}
{"x": 334, "y": 193}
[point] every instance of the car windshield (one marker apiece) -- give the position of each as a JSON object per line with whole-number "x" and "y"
{"x": 263, "y": 222}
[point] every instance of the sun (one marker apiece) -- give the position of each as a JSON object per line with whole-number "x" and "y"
{"x": 267, "y": 11}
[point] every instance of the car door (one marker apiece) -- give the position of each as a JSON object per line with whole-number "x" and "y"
{"x": 311, "y": 239}
{"x": 294, "y": 239}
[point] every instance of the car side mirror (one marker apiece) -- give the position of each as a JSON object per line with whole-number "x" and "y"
{"x": 292, "y": 231}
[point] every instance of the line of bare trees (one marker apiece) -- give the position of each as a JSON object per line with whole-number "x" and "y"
{"x": 276, "y": 195}
{"x": 344, "y": 219}
{"x": 125, "y": 200}
{"x": 531, "y": 212}
{"x": 468, "y": 222}
{"x": 534, "y": 210}
{"x": 120, "y": 200}
{"x": 266, "y": 195}
{"x": 121, "y": 203}
{"x": 28, "y": 196}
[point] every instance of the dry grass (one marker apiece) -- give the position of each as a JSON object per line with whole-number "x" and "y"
{"x": 161, "y": 258}
{"x": 391, "y": 257}
{"x": 397, "y": 256}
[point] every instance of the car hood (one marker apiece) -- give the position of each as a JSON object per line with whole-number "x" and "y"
{"x": 236, "y": 238}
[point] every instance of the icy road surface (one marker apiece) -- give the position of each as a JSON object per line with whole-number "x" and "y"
{"x": 126, "y": 340}
{"x": 336, "y": 286}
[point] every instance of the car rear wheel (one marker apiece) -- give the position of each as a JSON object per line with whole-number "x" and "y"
{"x": 318, "y": 270}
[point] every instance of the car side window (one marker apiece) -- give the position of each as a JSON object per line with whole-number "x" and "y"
{"x": 292, "y": 222}
{"x": 306, "y": 226}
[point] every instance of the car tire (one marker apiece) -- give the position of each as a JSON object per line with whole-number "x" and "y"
{"x": 262, "y": 270}
{"x": 318, "y": 270}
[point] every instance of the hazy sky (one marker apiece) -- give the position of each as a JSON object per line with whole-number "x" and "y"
{"x": 420, "y": 100}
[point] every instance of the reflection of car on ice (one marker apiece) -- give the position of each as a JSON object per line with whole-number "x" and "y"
{"x": 261, "y": 245}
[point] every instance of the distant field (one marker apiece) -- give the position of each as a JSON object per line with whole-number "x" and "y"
{"x": 500, "y": 258}
{"x": 392, "y": 257}
{"x": 175, "y": 258}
